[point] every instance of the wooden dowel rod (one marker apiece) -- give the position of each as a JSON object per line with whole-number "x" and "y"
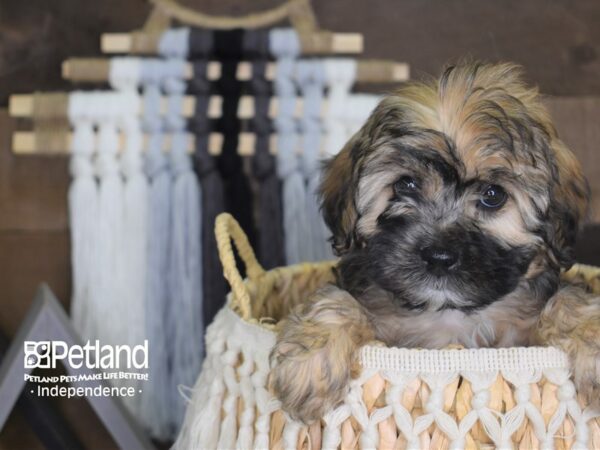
{"x": 96, "y": 70}
{"x": 348, "y": 43}
{"x": 25, "y": 143}
{"x": 382, "y": 71}
{"x": 23, "y": 105}
{"x": 246, "y": 106}
{"x": 92, "y": 70}
{"x": 318, "y": 43}
{"x": 116, "y": 42}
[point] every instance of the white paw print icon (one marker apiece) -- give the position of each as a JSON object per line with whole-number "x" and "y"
{"x": 37, "y": 354}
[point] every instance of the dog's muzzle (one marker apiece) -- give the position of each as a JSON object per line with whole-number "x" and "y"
{"x": 439, "y": 258}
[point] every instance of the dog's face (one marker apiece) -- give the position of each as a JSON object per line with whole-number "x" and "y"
{"x": 455, "y": 193}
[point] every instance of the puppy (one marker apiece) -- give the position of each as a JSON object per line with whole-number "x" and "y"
{"x": 453, "y": 210}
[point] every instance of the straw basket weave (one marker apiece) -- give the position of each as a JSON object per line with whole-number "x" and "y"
{"x": 404, "y": 398}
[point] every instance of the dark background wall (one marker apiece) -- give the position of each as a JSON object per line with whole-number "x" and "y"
{"x": 558, "y": 43}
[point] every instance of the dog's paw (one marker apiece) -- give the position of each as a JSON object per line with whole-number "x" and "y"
{"x": 571, "y": 321}
{"x": 308, "y": 378}
{"x": 584, "y": 352}
{"x": 315, "y": 356}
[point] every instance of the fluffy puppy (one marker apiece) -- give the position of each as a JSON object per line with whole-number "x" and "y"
{"x": 453, "y": 210}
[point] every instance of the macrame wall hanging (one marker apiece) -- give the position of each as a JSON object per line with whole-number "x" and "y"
{"x": 238, "y": 197}
{"x": 340, "y": 75}
{"x": 310, "y": 77}
{"x": 83, "y": 211}
{"x": 108, "y": 292}
{"x": 155, "y": 398}
{"x": 285, "y": 46}
{"x": 269, "y": 226}
{"x": 124, "y": 77}
{"x": 147, "y": 183}
{"x": 184, "y": 273}
{"x": 213, "y": 203}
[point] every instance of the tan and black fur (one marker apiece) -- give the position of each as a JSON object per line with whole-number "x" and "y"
{"x": 412, "y": 180}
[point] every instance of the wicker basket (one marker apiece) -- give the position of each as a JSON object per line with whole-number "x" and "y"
{"x": 404, "y": 398}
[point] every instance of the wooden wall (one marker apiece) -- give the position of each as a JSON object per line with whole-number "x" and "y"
{"x": 558, "y": 42}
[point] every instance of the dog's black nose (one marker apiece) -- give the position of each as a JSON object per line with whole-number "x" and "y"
{"x": 439, "y": 257}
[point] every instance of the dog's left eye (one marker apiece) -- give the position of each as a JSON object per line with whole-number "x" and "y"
{"x": 493, "y": 197}
{"x": 405, "y": 185}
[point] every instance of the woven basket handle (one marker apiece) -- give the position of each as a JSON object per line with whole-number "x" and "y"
{"x": 227, "y": 229}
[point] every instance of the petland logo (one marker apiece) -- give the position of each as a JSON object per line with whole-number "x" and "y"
{"x": 46, "y": 355}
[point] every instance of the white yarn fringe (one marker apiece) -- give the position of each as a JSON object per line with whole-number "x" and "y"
{"x": 285, "y": 46}
{"x": 185, "y": 276}
{"x": 310, "y": 76}
{"x": 109, "y": 276}
{"x": 340, "y": 74}
{"x": 83, "y": 204}
{"x": 358, "y": 109}
{"x": 124, "y": 77}
{"x": 155, "y": 413}
{"x": 185, "y": 326}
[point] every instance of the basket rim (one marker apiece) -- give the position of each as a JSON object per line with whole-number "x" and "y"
{"x": 380, "y": 357}
{"x": 409, "y": 360}
{"x": 397, "y": 359}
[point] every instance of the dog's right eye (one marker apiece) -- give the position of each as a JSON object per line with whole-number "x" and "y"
{"x": 493, "y": 197}
{"x": 405, "y": 185}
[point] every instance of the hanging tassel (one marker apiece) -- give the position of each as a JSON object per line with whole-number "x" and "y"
{"x": 214, "y": 288}
{"x": 238, "y": 193}
{"x": 310, "y": 76}
{"x": 201, "y": 43}
{"x": 174, "y": 43}
{"x": 110, "y": 319}
{"x": 185, "y": 273}
{"x": 83, "y": 199}
{"x": 358, "y": 111}
{"x": 155, "y": 400}
{"x": 339, "y": 78}
{"x": 285, "y": 46}
{"x": 185, "y": 267}
{"x": 270, "y": 238}
{"x": 124, "y": 77}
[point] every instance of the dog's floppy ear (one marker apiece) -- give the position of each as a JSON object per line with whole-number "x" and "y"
{"x": 337, "y": 197}
{"x": 568, "y": 205}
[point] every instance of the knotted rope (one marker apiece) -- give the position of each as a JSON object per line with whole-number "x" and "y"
{"x": 285, "y": 47}
{"x": 109, "y": 274}
{"x": 270, "y": 241}
{"x": 311, "y": 79}
{"x": 238, "y": 194}
{"x": 83, "y": 212}
{"x": 185, "y": 259}
{"x": 155, "y": 401}
{"x": 201, "y": 44}
{"x": 124, "y": 77}
{"x": 339, "y": 75}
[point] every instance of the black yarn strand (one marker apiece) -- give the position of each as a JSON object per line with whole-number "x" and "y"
{"x": 270, "y": 242}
